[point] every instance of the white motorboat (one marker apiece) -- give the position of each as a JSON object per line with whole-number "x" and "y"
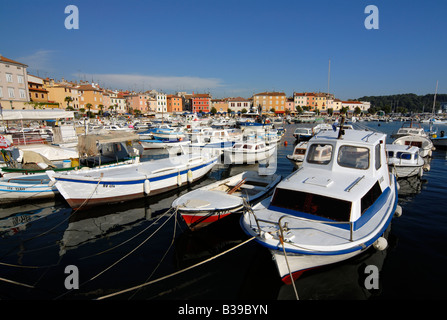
{"x": 299, "y": 152}
{"x": 215, "y": 201}
{"x": 330, "y": 209}
{"x": 28, "y": 180}
{"x": 249, "y": 152}
{"x": 424, "y": 144}
{"x": 405, "y": 161}
{"x": 172, "y": 145}
{"x": 130, "y": 181}
{"x": 303, "y": 133}
{"x": 410, "y": 128}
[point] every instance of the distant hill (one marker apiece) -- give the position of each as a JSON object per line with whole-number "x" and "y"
{"x": 404, "y": 103}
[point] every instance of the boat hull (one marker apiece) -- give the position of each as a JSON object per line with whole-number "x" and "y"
{"x": 299, "y": 258}
{"x": 112, "y": 185}
{"x": 241, "y": 157}
{"x": 27, "y": 188}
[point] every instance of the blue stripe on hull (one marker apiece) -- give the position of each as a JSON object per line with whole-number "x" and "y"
{"x": 171, "y": 175}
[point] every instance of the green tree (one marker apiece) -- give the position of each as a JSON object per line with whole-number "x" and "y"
{"x": 68, "y": 99}
{"x": 89, "y": 107}
{"x": 213, "y": 110}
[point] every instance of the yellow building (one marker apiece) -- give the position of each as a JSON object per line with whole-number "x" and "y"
{"x": 59, "y": 91}
{"x": 91, "y": 94}
{"x": 269, "y": 101}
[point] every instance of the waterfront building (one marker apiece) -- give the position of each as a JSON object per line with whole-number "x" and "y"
{"x": 90, "y": 96}
{"x": 221, "y": 105}
{"x": 174, "y": 103}
{"x": 38, "y": 95}
{"x": 269, "y": 101}
{"x": 238, "y": 104}
{"x": 162, "y": 104}
{"x": 300, "y": 99}
{"x": 200, "y": 102}
{"x": 119, "y": 104}
{"x": 352, "y": 105}
{"x": 59, "y": 91}
{"x": 14, "y": 93}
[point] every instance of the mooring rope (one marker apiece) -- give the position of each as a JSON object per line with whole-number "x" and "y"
{"x": 175, "y": 273}
{"x": 130, "y": 239}
{"x": 165, "y": 254}
{"x": 129, "y": 253}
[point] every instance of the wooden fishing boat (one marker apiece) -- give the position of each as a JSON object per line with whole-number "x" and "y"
{"x": 215, "y": 201}
{"x": 130, "y": 181}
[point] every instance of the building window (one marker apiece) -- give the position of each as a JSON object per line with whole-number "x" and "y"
{"x": 22, "y": 93}
{"x": 20, "y": 79}
{"x": 8, "y": 77}
{"x": 1, "y": 92}
{"x": 11, "y": 92}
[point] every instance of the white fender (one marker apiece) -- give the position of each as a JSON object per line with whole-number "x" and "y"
{"x": 146, "y": 187}
{"x": 179, "y": 179}
{"x": 190, "y": 176}
{"x": 380, "y": 244}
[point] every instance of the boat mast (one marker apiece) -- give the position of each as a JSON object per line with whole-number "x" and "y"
{"x": 434, "y": 99}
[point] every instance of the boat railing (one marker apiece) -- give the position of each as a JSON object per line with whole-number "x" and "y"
{"x": 284, "y": 227}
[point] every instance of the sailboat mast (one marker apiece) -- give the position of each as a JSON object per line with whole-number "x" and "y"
{"x": 434, "y": 99}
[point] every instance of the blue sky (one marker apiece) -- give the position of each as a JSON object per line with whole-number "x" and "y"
{"x": 234, "y": 48}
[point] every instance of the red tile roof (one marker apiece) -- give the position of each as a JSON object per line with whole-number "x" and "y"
{"x": 4, "y": 59}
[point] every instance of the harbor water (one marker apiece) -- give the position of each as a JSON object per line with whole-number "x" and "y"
{"x": 142, "y": 250}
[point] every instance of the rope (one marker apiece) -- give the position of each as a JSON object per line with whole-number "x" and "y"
{"x": 164, "y": 256}
{"x": 175, "y": 273}
{"x": 287, "y": 262}
{"x": 125, "y": 256}
{"x": 17, "y": 283}
{"x": 131, "y": 238}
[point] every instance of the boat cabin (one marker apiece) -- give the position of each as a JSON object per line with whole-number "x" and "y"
{"x": 340, "y": 179}
{"x": 402, "y": 153}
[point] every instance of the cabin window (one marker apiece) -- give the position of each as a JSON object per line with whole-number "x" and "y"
{"x": 319, "y": 153}
{"x": 325, "y": 207}
{"x": 390, "y": 154}
{"x": 247, "y": 146}
{"x": 404, "y": 155}
{"x": 237, "y": 145}
{"x": 378, "y": 158}
{"x": 353, "y": 157}
{"x": 370, "y": 197}
{"x": 300, "y": 151}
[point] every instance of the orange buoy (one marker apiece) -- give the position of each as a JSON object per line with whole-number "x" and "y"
{"x": 285, "y": 143}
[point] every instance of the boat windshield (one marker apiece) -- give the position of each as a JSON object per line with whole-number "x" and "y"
{"x": 318, "y": 205}
{"x": 319, "y": 153}
{"x": 404, "y": 155}
{"x": 353, "y": 157}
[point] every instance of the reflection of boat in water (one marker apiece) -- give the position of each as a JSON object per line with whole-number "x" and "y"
{"x": 15, "y": 219}
{"x": 346, "y": 280}
{"x": 410, "y": 186}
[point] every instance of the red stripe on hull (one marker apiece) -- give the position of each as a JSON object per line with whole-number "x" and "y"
{"x": 195, "y": 221}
